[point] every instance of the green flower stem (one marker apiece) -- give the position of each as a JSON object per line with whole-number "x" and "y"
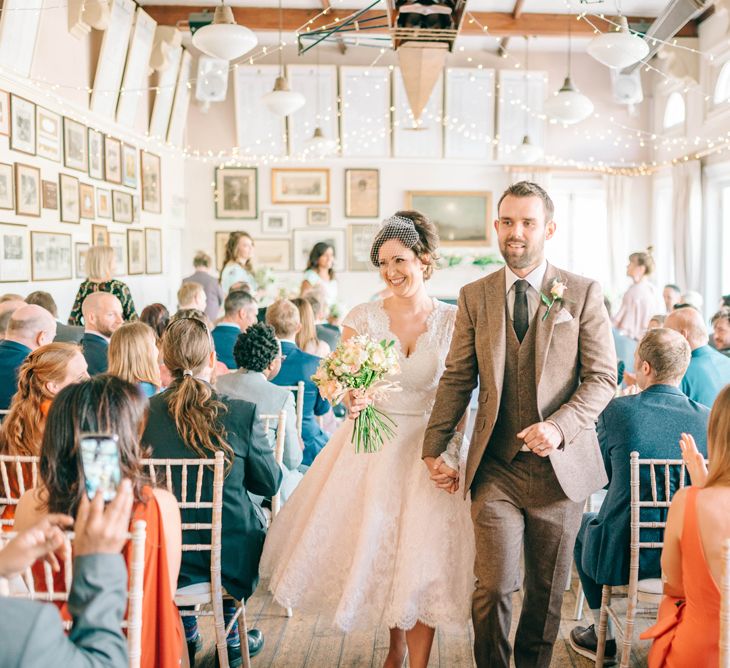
{"x": 371, "y": 429}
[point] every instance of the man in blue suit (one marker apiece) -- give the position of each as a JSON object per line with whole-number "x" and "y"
{"x": 241, "y": 311}
{"x": 297, "y": 366}
{"x": 650, "y": 423}
{"x": 102, "y": 317}
{"x": 30, "y": 327}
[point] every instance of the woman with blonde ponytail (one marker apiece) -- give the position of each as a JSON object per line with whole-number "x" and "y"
{"x": 190, "y": 420}
{"x": 642, "y": 300}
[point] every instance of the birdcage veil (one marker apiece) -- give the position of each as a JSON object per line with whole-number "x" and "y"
{"x": 396, "y": 227}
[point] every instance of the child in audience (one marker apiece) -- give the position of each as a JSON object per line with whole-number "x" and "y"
{"x": 133, "y": 357}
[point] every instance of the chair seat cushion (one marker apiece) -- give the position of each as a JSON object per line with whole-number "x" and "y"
{"x": 193, "y": 594}
{"x": 652, "y": 586}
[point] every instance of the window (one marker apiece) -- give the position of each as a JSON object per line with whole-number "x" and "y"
{"x": 722, "y": 86}
{"x": 674, "y": 111}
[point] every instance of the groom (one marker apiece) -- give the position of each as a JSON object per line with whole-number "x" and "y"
{"x": 538, "y": 340}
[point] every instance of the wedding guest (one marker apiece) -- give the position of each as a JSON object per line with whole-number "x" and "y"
{"x": 214, "y": 294}
{"x": 721, "y": 330}
{"x": 691, "y": 298}
{"x": 190, "y": 419}
{"x": 7, "y": 308}
{"x": 100, "y": 267}
{"x": 640, "y": 301}
{"x": 30, "y": 327}
{"x": 306, "y": 338}
{"x": 688, "y": 622}
{"x": 321, "y": 271}
{"x": 64, "y": 333}
{"x": 240, "y": 312}
{"x": 11, "y": 297}
{"x": 330, "y": 334}
{"x": 258, "y": 356}
{"x": 709, "y": 371}
{"x": 650, "y": 423}
{"x": 102, "y": 317}
{"x": 156, "y": 316}
{"x": 108, "y": 405}
{"x": 133, "y": 357}
{"x": 237, "y": 263}
{"x": 298, "y": 366}
{"x": 657, "y": 321}
{"x": 672, "y": 295}
{"x": 191, "y": 295}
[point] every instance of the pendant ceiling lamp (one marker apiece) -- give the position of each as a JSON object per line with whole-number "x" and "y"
{"x": 282, "y": 101}
{"x": 318, "y": 144}
{"x": 568, "y": 105}
{"x": 224, "y": 38}
{"x": 527, "y": 152}
{"x": 618, "y": 49}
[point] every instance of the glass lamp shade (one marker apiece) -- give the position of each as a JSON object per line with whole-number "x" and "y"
{"x": 282, "y": 101}
{"x": 224, "y": 38}
{"x": 527, "y": 152}
{"x": 319, "y": 145}
{"x": 618, "y": 49}
{"x": 568, "y": 105}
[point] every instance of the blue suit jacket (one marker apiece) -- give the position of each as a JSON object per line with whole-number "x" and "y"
{"x": 651, "y": 423}
{"x": 12, "y": 355}
{"x": 298, "y": 366}
{"x": 96, "y": 353}
{"x": 708, "y": 373}
{"x": 224, "y": 338}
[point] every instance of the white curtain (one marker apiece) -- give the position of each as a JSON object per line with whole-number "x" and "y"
{"x": 619, "y": 216}
{"x": 687, "y": 223}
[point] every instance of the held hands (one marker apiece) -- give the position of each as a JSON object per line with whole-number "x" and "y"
{"x": 443, "y": 476}
{"x": 693, "y": 458}
{"x": 41, "y": 541}
{"x": 355, "y": 401}
{"x": 542, "y": 438}
{"x": 102, "y": 530}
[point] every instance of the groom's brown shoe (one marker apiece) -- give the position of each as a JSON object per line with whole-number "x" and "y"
{"x": 584, "y": 641}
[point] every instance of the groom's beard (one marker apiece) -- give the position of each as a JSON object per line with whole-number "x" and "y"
{"x": 529, "y": 256}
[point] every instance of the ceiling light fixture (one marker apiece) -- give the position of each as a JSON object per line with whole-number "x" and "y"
{"x": 618, "y": 49}
{"x": 224, "y": 38}
{"x": 527, "y": 152}
{"x": 318, "y": 143}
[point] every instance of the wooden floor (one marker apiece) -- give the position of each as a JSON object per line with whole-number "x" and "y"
{"x": 304, "y": 641}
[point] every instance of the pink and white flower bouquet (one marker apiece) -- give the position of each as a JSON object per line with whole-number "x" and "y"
{"x": 361, "y": 363}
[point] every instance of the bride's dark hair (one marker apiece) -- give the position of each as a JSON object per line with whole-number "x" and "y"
{"x": 428, "y": 240}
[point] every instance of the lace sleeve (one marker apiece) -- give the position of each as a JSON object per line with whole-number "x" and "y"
{"x": 357, "y": 319}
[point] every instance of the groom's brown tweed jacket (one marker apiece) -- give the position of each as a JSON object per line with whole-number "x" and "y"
{"x": 575, "y": 375}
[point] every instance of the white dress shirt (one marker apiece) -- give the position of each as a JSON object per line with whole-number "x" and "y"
{"x": 534, "y": 278}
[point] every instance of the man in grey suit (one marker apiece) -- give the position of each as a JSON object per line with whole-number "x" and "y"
{"x": 538, "y": 341}
{"x": 64, "y": 333}
{"x": 31, "y": 633}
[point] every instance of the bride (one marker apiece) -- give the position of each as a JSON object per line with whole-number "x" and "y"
{"x": 369, "y": 538}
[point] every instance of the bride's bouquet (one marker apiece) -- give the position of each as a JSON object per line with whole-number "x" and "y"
{"x": 361, "y": 363}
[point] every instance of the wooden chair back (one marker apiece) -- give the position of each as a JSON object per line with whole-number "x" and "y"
{"x": 298, "y": 391}
{"x": 13, "y": 473}
{"x": 276, "y": 423}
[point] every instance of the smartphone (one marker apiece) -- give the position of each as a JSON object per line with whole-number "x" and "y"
{"x": 100, "y": 459}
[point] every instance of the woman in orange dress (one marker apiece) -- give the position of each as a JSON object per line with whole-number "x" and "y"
{"x": 106, "y": 404}
{"x": 687, "y": 630}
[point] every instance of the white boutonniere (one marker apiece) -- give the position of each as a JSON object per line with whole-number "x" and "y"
{"x": 557, "y": 290}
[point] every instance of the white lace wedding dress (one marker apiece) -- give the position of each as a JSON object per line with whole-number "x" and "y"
{"x": 367, "y": 538}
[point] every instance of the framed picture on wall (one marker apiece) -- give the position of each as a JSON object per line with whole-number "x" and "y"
{"x": 70, "y": 201}
{"x": 362, "y": 193}
{"x": 112, "y": 160}
{"x": 153, "y": 250}
{"x": 7, "y": 187}
{"x": 122, "y": 207}
{"x": 304, "y": 240}
{"x": 51, "y": 256}
{"x": 135, "y": 252}
{"x": 274, "y": 254}
{"x": 4, "y": 113}
{"x": 359, "y": 240}
{"x": 96, "y": 154}
{"x": 129, "y": 165}
{"x": 100, "y": 235}
{"x": 50, "y": 194}
{"x": 22, "y": 125}
{"x": 462, "y": 218}
{"x": 14, "y": 253}
{"x": 300, "y": 186}
{"x": 151, "y": 182}
{"x": 75, "y": 145}
{"x": 103, "y": 203}
{"x": 48, "y": 134}
{"x": 86, "y": 197}
{"x": 221, "y": 239}
{"x": 27, "y": 190}
{"x": 275, "y": 222}
{"x": 118, "y": 241}
{"x": 135, "y": 208}
{"x": 81, "y": 249}
{"x": 318, "y": 217}
{"x": 236, "y": 192}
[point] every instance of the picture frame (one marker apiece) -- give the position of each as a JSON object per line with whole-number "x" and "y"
{"x": 118, "y": 241}
{"x": 68, "y": 187}
{"x": 221, "y": 239}
{"x": 151, "y": 182}
{"x": 4, "y": 113}
{"x": 103, "y": 203}
{"x": 274, "y": 254}
{"x": 153, "y": 250}
{"x": 129, "y": 166}
{"x": 14, "y": 253}
{"x": 22, "y": 125}
{"x": 135, "y": 209}
{"x": 136, "y": 255}
{"x": 122, "y": 207}
{"x": 318, "y": 217}
{"x": 359, "y": 241}
{"x": 7, "y": 186}
{"x": 87, "y": 201}
{"x": 75, "y": 145}
{"x": 51, "y": 256}
{"x": 305, "y": 239}
{"x": 100, "y": 235}
{"x": 275, "y": 222}
{"x": 362, "y": 193}
{"x": 81, "y": 248}
{"x": 112, "y": 160}
{"x": 27, "y": 190}
{"x": 95, "y": 141}
{"x": 49, "y": 190}
{"x": 461, "y": 218}
{"x": 48, "y": 134}
{"x": 236, "y": 192}
{"x": 300, "y": 186}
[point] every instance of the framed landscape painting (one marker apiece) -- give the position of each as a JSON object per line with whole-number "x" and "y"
{"x": 274, "y": 254}
{"x": 112, "y": 160}
{"x": 118, "y": 241}
{"x": 122, "y": 207}
{"x": 462, "y": 218}
{"x": 151, "y": 182}
{"x": 275, "y": 222}
{"x": 300, "y": 186}
{"x": 27, "y": 190}
{"x": 129, "y": 166}
{"x": 236, "y": 192}
{"x": 51, "y": 256}
{"x": 22, "y": 125}
{"x": 100, "y": 235}
{"x": 362, "y": 193}
{"x": 135, "y": 252}
{"x": 96, "y": 154}
{"x": 75, "y": 145}
{"x": 14, "y": 254}
{"x": 318, "y": 217}
{"x": 70, "y": 201}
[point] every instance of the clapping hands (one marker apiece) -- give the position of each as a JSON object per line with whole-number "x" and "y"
{"x": 694, "y": 460}
{"x": 442, "y": 475}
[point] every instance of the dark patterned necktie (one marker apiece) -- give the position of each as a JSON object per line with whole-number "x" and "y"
{"x": 521, "y": 319}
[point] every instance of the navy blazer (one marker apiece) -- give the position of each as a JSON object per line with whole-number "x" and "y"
{"x": 96, "y": 352}
{"x": 650, "y": 423}
{"x": 12, "y": 355}
{"x": 297, "y": 366}
{"x": 225, "y": 336}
